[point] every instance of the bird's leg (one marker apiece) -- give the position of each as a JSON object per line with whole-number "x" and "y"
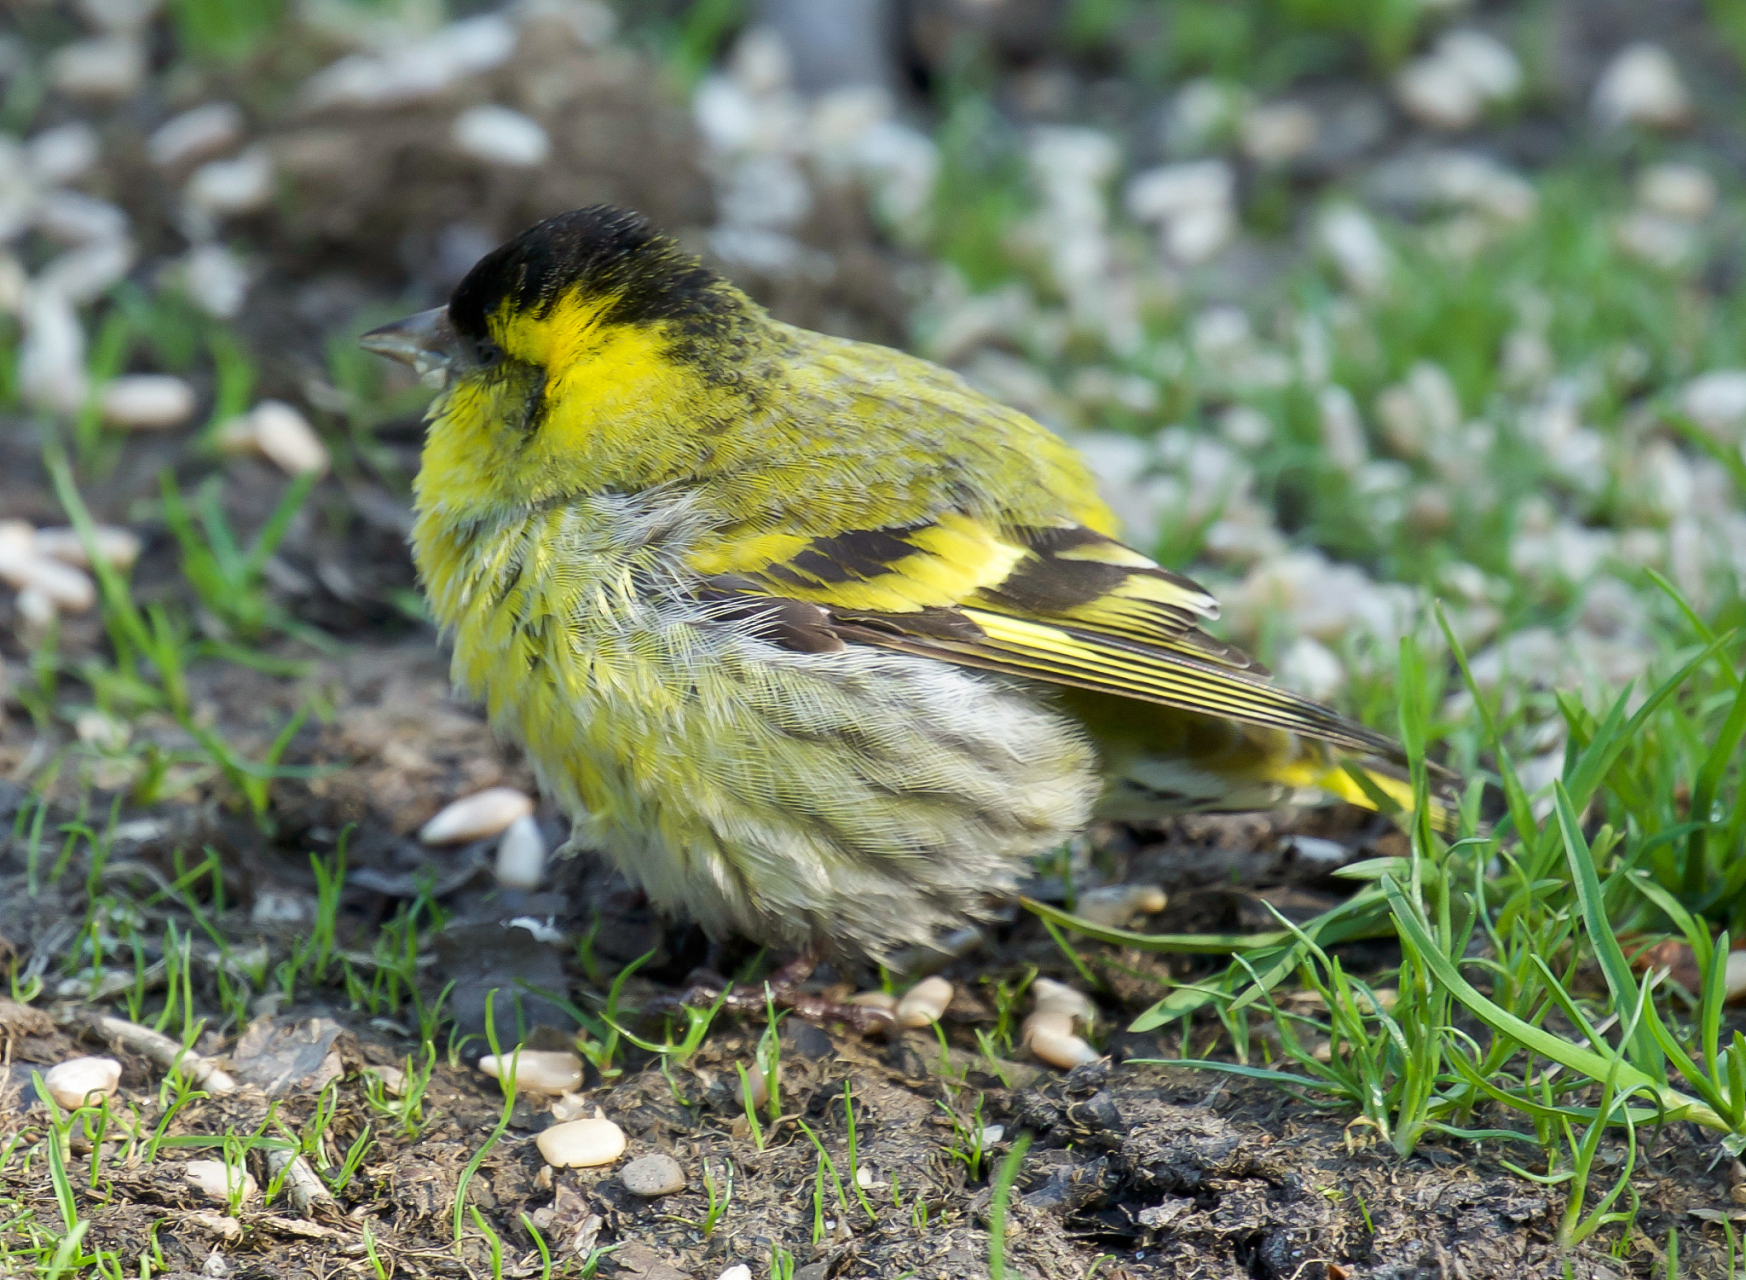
{"x": 783, "y": 989}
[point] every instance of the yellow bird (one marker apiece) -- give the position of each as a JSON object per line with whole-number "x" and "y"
{"x": 814, "y": 640}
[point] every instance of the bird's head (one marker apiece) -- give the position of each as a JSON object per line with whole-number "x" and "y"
{"x": 587, "y": 344}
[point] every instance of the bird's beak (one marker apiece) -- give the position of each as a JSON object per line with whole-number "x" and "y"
{"x": 426, "y": 341}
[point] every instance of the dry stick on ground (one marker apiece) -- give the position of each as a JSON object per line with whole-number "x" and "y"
{"x": 155, "y": 1045}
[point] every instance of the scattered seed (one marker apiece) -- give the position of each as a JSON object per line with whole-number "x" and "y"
{"x": 521, "y": 854}
{"x": 194, "y": 134}
{"x": 1058, "y": 998}
{"x": 581, "y": 1144}
{"x": 62, "y": 585}
{"x": 225, "y": 188}
{"x": 476, "y": 817}
{"x": 1642, "y": 86}
{"x": 393, "y": 1079}
{"x": 62, "y": 154}
{"x": 739, "y": 1271}
{"x": 924, "y": 1003}
{"x": 538, "y": 1070}
{"x": 1117, "y": 904}
{"x": 35, "y": 610}
{"x": 569, "y": 1106}
{"x": 218, "y": 1179}
{"x": 107, "y": 67}
{"x": 498, "y": 135}
{"x": 287, "y": 439}
{"x": 653, "y": 1175}
{"x": 71, "y": 1083}
{"x": 146, "y": 402}
{"x": 875, "y": 1000}
{"x": 1049, "y": 1036}
{"x": 119, "y": 547}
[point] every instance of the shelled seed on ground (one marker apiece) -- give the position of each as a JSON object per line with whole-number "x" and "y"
{"x": 581, "y": 1144}
{"x": 476, "y": 817}
{"x": 393, "y": 1079}
{"x": 195, "y": 134}
{"x": 537, "y": 1070}
{"x": 60, "y": 584}
{"x": 1057, "y": 997}
{"x": 653, "y": 1175}
{"x": 287, "y": 439}
{"x": 875, "y": 1000}
{"x": 1117, "y": 904}
{"x": 35, "y": 610}
{"x": 739, "y": 1271}
{"x": 569, "y": 1106}
{"x": 219, "y": 1180}
{"x": 146, "y": 402}
{"x": 498, "y": 135}
{"x": 1049, "y": 1036}
{"x": 119, "y": 547}
{"x": 521, "y": 855}
{"x": 77, "y": 1081}
{"x": 924, "y": 1004}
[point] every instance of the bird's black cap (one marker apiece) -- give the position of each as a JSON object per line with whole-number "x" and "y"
{"x": 605, "y": 252}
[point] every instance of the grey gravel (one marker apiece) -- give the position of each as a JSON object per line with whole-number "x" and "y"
{"x": 653, "y": 1175}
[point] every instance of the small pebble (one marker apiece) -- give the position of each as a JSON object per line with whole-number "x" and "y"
{"x": 73, "y": 1082}
{"x": 581, "y": 1144}
{"x": 521, "y": 855}
{"x": 923, "y": 1004}
{"x": 498, "y": 135}
{"x": 653, "y": 1175}
{"x": 538, "y": 1070}
{"x": 146, "y": 401}
{"x": 218, "y": 1180}
{"x": 195, "y": 134}
{"x": 476, "y": 817}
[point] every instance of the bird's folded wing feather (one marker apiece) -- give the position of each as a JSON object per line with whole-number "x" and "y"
{"x": 1061, "y": 604}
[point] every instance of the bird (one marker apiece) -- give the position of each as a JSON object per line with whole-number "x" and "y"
{"x": 820, "y": 645}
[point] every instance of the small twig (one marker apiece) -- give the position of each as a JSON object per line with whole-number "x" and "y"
{"x": 301, "y": 1185}
{"x": 155, "y": 1045}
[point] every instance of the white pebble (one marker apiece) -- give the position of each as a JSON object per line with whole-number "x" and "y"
{"x": 1642, "y": 86}
{"x": 240, "y": 185}
{"x": 924, "y": 1004}
{"x": 63, "y": 153}
{"x": 51, "y": 359}
{"x": 652, "y": 1176}
{"x": 217, "y": 281}
{"x": 71, "y": 1083}
{"x": 146, "y": 401}
{"x": 1677, "y": 191}
{"x": 1050, "y": 1038}
{"x": 107, "y": 67}
{"x": 74, "y": 218}
{"x": 195, "y": 134}
{"x": 521, "y": 855}
{"x": 581, "y": 1144}
{"x": 478, "y": 816}
{"x": 287, "y": 439}
{"x": 219, "y": 1180}
{"x": 499, "y": 135}
{"x": 1277, "y": 132}
{"x": 538, "y": 1070}
{"x": 118, "y": 547}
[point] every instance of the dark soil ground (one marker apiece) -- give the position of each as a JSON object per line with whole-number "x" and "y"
{"x": 1133, "y": 1170}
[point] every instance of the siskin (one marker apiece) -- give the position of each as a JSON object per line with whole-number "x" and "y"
{"x": 815, "y": 641}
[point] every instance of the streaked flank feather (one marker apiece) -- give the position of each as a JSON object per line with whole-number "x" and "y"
{"x": 816, "y": 641}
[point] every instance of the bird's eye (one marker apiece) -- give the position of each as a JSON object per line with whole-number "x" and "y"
{"x": 488, "y": 354}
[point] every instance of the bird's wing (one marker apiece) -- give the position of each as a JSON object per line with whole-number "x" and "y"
{"x": 1062, "y": 604}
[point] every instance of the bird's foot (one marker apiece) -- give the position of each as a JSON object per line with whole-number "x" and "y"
{"x": 783, "y": 989}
